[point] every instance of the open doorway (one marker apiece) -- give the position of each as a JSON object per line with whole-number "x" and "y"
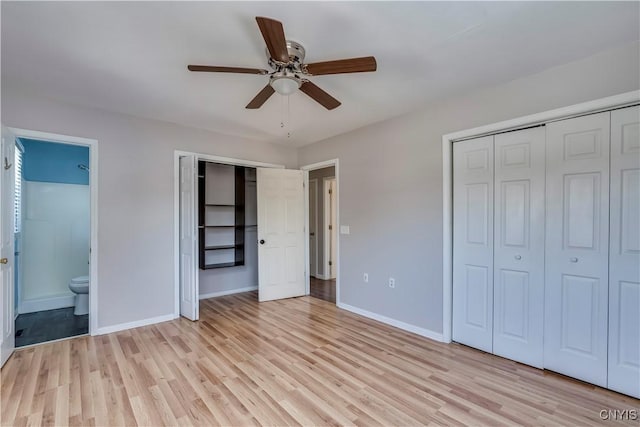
{"x": 239, "y": 228}
{"x": 32, "y": 187}
{"x": 227, "y": 229}
{"x": 52, "y": 240}
{"x": 323, "y": 238}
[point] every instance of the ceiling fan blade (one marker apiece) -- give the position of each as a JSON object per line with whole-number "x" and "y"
{"x": 320, "y": 96}
{"x": 211, "y": 69}
{"x": 341, "y": 66}
{"x": 273, "y": 34}
{"x": 261, "y": 97}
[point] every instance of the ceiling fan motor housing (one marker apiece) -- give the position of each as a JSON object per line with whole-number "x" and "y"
{"x": 296, "y": 54}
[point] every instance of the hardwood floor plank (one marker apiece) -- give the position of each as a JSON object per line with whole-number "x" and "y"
{"x": 298, "y": 361}
{"x": 61, "y": 415}
{"x": 29, "y": 388}
{"x": 49, "y": 407}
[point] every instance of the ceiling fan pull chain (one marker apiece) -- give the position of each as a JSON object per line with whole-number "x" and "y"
{"x": 288, "y": 114}
{"x": 282, "y": 111}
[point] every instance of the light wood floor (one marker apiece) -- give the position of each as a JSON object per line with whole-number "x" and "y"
{"x": 297, "y": 361}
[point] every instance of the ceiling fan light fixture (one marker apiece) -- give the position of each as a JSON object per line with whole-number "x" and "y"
{"x": 285, "y": 85}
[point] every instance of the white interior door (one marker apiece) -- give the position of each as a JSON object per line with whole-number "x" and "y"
{"x": 313, "y": 225}
{"x": 577, "y": 246}
{"x": 189, "y": 302}
{"x": 473, "y": 243}
{"x": 332, "y": 230}
{"x": 281, "y": 259}
{"x": 7, "y": 343}
{"x": 624, "y": 254}
{"x": 519, "y": 245}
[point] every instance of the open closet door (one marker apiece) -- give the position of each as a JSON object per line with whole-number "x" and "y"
{"x": 7, "y": 187}
{"x": 189, "y": 303}
{"x": 281, "y": 251}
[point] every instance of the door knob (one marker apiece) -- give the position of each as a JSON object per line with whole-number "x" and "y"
{"x": 518, "y": 257}
{"x": 573, "y": 259}
{"x": 262, "y": 241}
{"x": 4, "y": 261}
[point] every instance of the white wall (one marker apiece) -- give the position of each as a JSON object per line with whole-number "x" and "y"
{"x": 135, "y": 183}
{"x": 391, "y": 181}
{"x": 55, "y": 238}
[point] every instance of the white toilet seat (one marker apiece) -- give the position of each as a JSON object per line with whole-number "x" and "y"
{"x": 80, "y": 287}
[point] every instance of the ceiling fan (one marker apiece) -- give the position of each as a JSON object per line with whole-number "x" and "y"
{"x": 289, "y": 72}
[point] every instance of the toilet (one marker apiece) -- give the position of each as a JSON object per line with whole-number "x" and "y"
{"x": 80, "y": 287}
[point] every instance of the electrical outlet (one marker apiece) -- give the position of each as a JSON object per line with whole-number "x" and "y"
{"x": 392, "y": 282}
{"x": 365, "y": 277}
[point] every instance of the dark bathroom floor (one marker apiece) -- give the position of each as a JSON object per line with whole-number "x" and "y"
{"x": 43, "y": 326}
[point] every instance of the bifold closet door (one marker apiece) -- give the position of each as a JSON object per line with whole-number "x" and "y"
{"x": 624, "y": 254}
{"x": 473, "y": 243}
{"x": 519, "y": 245}
{"x": 577, "y": 248}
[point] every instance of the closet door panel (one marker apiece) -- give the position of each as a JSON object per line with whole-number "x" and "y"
{"x": 519, "y": 245}
{"x": 473, "y": 243}
{"x": 624, "y": 258}
{"x": 577, "y": 246}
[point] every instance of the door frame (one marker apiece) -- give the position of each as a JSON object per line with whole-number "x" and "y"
{"x": 314, "y": 182}
{"x": 92, "y": 144}
{"x": 176, "y": 208}
{"x": 17, "y": 263}
{"x": 603, "y": 104}
{"x": 306, "y": 169}
{"x": 326, "y": 214}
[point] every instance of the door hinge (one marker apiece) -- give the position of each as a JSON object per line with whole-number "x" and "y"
{"x": 330, "y": 263}
{"x": 329, "y": 191}
{"x": 330, "y": 227}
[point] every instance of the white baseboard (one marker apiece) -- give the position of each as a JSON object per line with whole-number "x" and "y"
{"x": 427, "y": 333}
{"x": 49, "y": 303}
{"x": 135, "y": 324}
{"x": 228, "y": 292}
{"x": 321, "y": 277}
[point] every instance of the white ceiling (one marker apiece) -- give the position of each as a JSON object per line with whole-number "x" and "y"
{"x": 131, "y": 57}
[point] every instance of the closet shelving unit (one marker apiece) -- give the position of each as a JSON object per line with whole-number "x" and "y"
{"x": 251, "y": 214}
{"x": 221, "y": 215}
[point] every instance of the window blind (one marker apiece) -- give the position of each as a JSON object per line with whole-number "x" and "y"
{"x": 18, "y": 190}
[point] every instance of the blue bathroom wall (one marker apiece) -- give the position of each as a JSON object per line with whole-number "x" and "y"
{"x": 52, "y": 162}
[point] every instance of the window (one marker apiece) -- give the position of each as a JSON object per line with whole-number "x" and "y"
{"x": 18, "y": 190}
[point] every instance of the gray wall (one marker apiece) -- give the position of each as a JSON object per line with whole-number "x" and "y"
{"x": 391, "y": 181}
{"x": 320, "y": 231}
{"x": 136, "y": 222}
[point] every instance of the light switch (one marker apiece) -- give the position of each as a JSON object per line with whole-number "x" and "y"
{"x": 344, "y": 229}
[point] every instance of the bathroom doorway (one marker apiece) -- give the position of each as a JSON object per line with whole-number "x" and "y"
{"x": 52, "y": 262}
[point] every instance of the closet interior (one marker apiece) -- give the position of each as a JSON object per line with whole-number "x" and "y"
{"x": 227, "y": 225}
